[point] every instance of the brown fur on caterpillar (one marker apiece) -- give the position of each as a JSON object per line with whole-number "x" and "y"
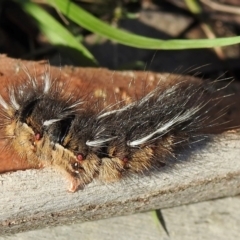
{"x": 65, "y": 151}
{"x": 36, "y": 108}
{"x": 25, "y": 113}
{"x": 138, "y": 136}
{"x": 167, "y": 119}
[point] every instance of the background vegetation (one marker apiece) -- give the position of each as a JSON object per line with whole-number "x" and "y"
{"x": 36, "y": 29}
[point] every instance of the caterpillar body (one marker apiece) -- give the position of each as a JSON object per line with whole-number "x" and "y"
{"x": 49, "y": 126}
{"x": 138, "y": 136}
{"x": 32, "y": 105}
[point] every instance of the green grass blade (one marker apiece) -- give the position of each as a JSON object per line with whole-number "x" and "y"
{"x": 159, "y": 219}
{"x": 193, "y": 6}
{"x": 88, "y": 21}
{"x": 57, "y": 34}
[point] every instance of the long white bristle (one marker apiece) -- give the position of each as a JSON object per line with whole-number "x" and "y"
{"x": 50, "y": 122}
{"x": 13, "y": 99}
{"x": 98, "y": 143}
{"x": 47, "y": 82}
{"x": 3, "y": 103}
{"x": 166, "y": 127}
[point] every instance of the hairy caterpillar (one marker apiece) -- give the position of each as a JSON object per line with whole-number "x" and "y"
{"x": 49, "y": 126}
{"x": 138, "y": 136}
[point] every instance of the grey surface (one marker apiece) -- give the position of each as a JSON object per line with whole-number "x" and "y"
{"x": 218, "y": 219}
{"x": 38, "y": 198}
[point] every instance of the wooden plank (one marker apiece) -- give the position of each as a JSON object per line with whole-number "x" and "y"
{"x": 139, "y": 226}
{"x": 218, "y": 219}
{"x": 34, "y": 199}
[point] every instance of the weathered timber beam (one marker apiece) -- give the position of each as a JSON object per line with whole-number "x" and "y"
{"x": 34, "y": 199}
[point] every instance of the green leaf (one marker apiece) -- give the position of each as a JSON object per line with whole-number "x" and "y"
{"x": 88, "y": 21}
{"x": 193, "y": 6}
{"x": 58, "y": 35}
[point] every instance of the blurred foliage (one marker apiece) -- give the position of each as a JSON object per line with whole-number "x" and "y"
{"x": 64, "y": 24}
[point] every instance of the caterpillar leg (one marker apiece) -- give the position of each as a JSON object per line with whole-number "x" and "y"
{"x": 78, "y": 171}
{"x": 140, "y": 160}
{"x": 22, "y": 142}
{"x": 111, "y": 169}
